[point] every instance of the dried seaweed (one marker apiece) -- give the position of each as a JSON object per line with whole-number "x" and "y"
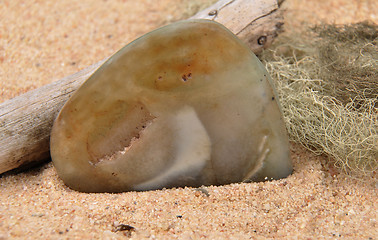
{"x": 327, "y": 79}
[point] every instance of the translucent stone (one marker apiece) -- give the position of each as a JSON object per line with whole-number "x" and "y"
{"x": 185, "y": 105}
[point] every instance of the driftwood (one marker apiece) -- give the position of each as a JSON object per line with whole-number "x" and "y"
{"x": 26, "y": 120}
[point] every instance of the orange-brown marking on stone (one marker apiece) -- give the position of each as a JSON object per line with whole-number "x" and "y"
{"x": 177, "y": 61}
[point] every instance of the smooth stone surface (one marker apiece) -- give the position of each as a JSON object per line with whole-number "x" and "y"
{"x": 185, "y": 105}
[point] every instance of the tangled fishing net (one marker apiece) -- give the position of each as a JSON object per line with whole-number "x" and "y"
{"x": 327, "y": 80}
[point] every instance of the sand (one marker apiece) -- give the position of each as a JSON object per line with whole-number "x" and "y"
{"x": 43, "y": 41}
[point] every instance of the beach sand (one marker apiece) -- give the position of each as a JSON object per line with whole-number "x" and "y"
{"x": 43, "y": 41}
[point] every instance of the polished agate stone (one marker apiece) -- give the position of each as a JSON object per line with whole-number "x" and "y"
{"x": 185, "y": 105}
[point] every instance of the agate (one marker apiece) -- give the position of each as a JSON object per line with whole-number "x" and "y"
{"x": 185, "y": 105}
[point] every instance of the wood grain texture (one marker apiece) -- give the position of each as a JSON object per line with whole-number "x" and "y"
{"x": 256, "y": 22}
{"x": 26, "y": 120}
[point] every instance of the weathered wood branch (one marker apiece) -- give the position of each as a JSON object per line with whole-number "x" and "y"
{"x": 26, "y": 120}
